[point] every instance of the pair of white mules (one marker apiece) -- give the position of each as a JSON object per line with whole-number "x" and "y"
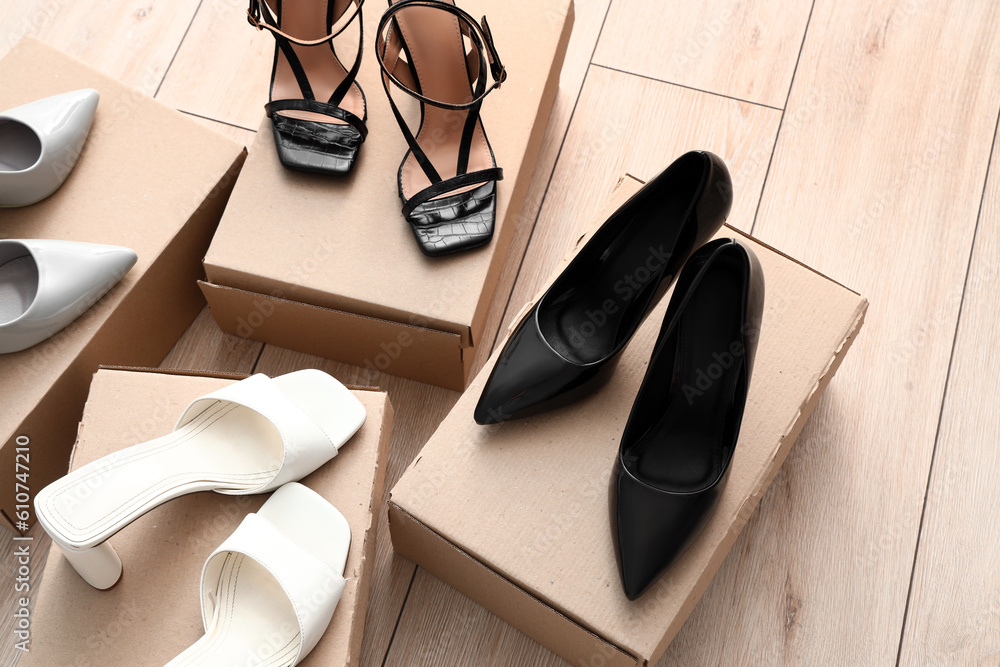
{"x": 282, "y": 570}
{"x": 45, "y": 285}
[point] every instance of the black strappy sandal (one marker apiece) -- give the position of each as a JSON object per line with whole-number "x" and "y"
{"x": 310, "y": 134}
{"x": 448, "y": 177}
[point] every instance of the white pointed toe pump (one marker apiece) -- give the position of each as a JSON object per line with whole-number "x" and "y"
{"x": 45, "y": 285}
{"x": 40, "y": 143}
{"x": 268, "y": 593}
{"x": 248, "y": 437}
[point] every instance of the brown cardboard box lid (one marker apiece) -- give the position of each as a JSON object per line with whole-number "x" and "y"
{"x": 342, "y": 243}
{"x": 153, "y": 614}
{"x": 529, "y": 499}
{"x": 143, "y": 172}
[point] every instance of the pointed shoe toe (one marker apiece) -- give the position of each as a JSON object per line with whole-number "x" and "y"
{"x": 529, "y": 378}
{"x": 320, "y": 148}
{"x": 45, "y": 285}
{"x": 456, "y": 222}
{"x": 652, "y": 528}
{"x": 40, "y": 143}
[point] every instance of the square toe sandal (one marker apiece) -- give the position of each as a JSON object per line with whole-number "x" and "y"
{"x": 675, "y": 453}
{"x": 317, "y": 109}
{"x": 250, "y": 437}
{"x": 269, "y": 591}
{"x": 448, "y": 178}
{"x": 567, "y": 344}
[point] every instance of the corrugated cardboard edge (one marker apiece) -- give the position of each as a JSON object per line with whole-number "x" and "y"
{"x": 233, "y": 308}
{"x": 371, "y": 533}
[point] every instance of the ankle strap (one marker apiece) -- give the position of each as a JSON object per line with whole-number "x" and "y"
{"x": 259, "y": 16}
{"x": 479, "y": 33}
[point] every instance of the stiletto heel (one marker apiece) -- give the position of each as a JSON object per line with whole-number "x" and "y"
{"x": 100, "y": 566}
{"x": 317, "y": 108}
{"x": 448, "y": 177}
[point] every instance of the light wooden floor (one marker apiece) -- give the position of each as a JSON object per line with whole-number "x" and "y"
{"x": 860, "y": 135}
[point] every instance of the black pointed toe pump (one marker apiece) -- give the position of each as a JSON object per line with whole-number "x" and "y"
{"x": 448, "y": 177}
{"x": 317, "y": 109}
{"x": 568, "y": 342}
{"x": 675, "y": 454}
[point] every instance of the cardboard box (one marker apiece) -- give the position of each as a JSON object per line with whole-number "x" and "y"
{"x": 516, "y": 516}
{"x": 153, "y": 614}
{"x": 329, "y": 266}
{"x": 148, "y": 178}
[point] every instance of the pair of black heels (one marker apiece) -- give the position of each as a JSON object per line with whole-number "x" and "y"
{"x": 674, "y": 455}
{"x": 447, "y": 180}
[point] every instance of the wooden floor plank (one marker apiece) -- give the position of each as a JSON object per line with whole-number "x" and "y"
{"x": 131, "y": 41}
{"x": 954, "y": 613}
{"x": 652, "y": 124}
{"x": 223, "y": 67}
{"x": 454, "y": 630}
{"x": 876, "y": 181}
{"x": 745, "y": 50}
{"x": 204, "y": 347}
{"x": 418, "y": 409}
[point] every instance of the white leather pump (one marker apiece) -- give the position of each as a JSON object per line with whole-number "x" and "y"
{"x": 268, "y": 593}
{"x": 45, "y": 285}
{"x": 249, "y": 437}
{"x": 40, "y": 143}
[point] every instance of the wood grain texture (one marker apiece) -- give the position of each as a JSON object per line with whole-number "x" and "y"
{"x": 10, "y": 578}
{"x": 204, "y": 347}
{"x": 743, "y": 49}
{"x": 954, "y": 613}
{"x": 129, "y": 40}
{"x": 222, "y": 69}
{"x": 651, "y": 124}
{"x": 421, "y": 409}
{"x": 876, "y": 181}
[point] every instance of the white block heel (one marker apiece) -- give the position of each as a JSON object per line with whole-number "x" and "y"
{"x": 252, "y": 436}
{"x": 100, "y": 566}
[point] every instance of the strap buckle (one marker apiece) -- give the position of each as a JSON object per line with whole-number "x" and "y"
{"x": 253, "y": 15}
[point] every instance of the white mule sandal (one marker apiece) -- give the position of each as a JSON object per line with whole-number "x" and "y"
{"x": 40, "y": 143}
{"x": 45, "y": 285}
{"x": 250, "y": 437}
{"x": 269, "y": 591}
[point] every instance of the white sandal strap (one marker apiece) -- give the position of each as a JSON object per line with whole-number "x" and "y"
{"x": 306, "y": 446}
{"x": 312, "y": 586}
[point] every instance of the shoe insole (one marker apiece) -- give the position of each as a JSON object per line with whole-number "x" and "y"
{"x": 227, "y": 447}
{"x": 306, "y": 20}
{"x": 18, "y": 286}
{"x": 586, "y": 321}
{"x": 254, "y": 624}
{"x": 436, "y": 48}
{"x": 687, "y": 448}
{"x": 19, "y": 146}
